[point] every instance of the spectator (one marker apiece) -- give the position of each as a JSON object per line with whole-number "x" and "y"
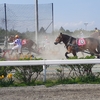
{"x": 96, "y": 30}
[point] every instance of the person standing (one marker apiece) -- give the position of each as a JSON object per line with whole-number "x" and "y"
{"x": 96, "y": 30}
{"x": 17, "y": 45}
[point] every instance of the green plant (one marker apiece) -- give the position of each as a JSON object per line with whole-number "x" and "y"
{"x": 77, "y": 70}
{"x": 60, "y": 72}
{"x": 27, "y": 73}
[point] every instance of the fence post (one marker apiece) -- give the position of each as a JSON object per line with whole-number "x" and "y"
{"x": 5, "y": 24}
{"x": 44, "y": 73}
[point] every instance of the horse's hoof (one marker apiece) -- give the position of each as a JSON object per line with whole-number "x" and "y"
{"x": 66, "y": 55}
{"x": 98, "y": 57}
{"x": 32, "y": 56}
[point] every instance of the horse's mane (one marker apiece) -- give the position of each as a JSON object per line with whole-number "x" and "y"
{"x": 65, "y": 36}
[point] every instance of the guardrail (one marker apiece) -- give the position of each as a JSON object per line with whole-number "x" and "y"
{"x": 48, "y": 62}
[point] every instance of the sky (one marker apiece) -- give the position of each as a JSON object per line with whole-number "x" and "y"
{"x": 70, "y": 14}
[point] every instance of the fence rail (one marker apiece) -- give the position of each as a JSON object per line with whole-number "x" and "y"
{"x": 48, "y": 62}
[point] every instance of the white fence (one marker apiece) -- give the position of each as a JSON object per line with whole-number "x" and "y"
{"x": 48, "y": 62}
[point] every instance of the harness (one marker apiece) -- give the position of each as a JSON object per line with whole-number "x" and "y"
{"x": 69, "y": 41}
{"x": 69, "y": 44}
{"x": 79, "y": 43}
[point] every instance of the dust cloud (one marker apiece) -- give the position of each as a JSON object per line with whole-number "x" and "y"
{"x": 48, "y": 50}
{"x": 52, "y": 51}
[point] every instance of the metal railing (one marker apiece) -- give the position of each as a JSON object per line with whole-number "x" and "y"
{"x": 48, "y": 62}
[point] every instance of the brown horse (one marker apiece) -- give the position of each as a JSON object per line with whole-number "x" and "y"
{"x": 95, "y": 35}
{"x": 92, "y": 45}
{"x": 26, "y": 43}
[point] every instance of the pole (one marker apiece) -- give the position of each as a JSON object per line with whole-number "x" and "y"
{"x": 52, "y": 20}
{"x": 44, "y": 73}
{"x": 86, "y": 25}
{"x": 5, "y": 25}
{"x": 36, "y": 19}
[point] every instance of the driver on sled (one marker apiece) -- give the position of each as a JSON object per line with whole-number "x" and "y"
{"x": 17, "y": 45}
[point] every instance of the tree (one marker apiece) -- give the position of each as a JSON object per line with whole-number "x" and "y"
{"x": 42, "y": 30}
{"x": 62, "y": 29}
{"x": 67, "y": 31}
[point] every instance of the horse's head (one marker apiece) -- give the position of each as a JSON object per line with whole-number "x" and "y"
{"x": 59, "y": 39}
{"x": 11, "y": 38}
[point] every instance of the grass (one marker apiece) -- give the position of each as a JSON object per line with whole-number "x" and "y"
{"x": 50, "y": 83}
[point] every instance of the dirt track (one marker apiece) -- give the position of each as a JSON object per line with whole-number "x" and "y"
{"x": 60, "y": 92}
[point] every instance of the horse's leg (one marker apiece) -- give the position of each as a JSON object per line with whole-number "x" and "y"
{"x": 36, "y": 50}
{"x": 82, "y": 54}
{"x": 33, "y": 50}
{"x": 66, "y": 54}
{"x": 74, "y": 53}
{"x": 69, "y": 49}
{"x": 98, "y": 55}
{"x": 94, "y": 53}
{"x": 73, "y": 50}
{"x": 98, "y": 49}
{"x": 29, "y": 50}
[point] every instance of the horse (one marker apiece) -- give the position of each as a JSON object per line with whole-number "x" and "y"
{"x": 71, "y": 43}
{"x": 26, "y": 43}
{"x": 95, "y": 35}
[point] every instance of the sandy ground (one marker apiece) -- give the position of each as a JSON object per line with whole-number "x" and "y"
{"x": 60, "y": 92}
{"x": 56, "y": 52}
